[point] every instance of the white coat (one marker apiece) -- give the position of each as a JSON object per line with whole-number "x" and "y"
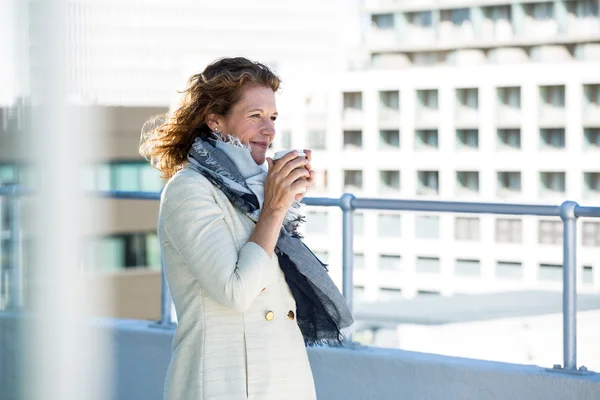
{"x": 237, "y": 336}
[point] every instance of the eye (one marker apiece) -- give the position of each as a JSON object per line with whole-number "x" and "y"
{"x": 255, "y": 116}
{"x": 273, "y": 119}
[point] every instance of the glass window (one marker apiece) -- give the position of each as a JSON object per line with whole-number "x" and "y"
{"x": 468, "y": 267}
{"x": 428, "y": 265}
{"x": 592, "y": 184}
{"x": 426, "y": 139}
{"x": 8, "y": 174}
{"x": 359, "y": 294}
{"x": 427, "y": 227}
{"x": 466, "y": 228}
{"x": 552, "y": 183}
{"x": 389, "y": 181}
{"x": 382, "y": 21}
{"x": 550, "y": 232}
{"x": 103, "y": 177}
{"x": 552, "y": 97}
{"x": 509, "y": 270}
{"x": 389, "y": 99}
{"x": 126, "y": 177}
{"x": 389, "y": 262}
{"x": 592, "y": 95}
{"x": 353, "y": 100}
{"x": 316, "y": 139}
{"x": 468, "y": 99}
{"x": 467, "y": 182}
{"x": 552, "y": 138}
{"x": 150, "y": 180}
{"x": 550, "y": 272}
{"x": 352, "y": 180}
{"x": 427, "y": 100}
{"x": 359, "y": 223}
{"x": 467, "y": 139}
{"x": 591, "y": 234}
{"x": 509, "y": 183}
{"x": 592, "y": 138}
{"x": 588, "y": 275}
{"x": 109, "y": 253}
{"x": 509, "y": 98}
{"x": 153, "y": 251}
{"x": 508, "y": 230}
{"x": 359, "y": 260}
{"x": 389, "y": 139}
{"x": 389, "y": 225}
{"x": 427, "y": 183}
{"x": 316, "y": 222}
{"x": 509, "y": 139}
{"x": 352, "y": 140}
{"x": 389, "y": 294}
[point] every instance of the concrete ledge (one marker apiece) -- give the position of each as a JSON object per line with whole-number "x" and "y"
{"x": 141, "y": 356}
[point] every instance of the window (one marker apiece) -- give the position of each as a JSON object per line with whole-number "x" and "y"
{"x": 389, "y": 100}
{"x": 466, "y": 228}
{"x": 428, "y": 265}
{"x": 389, "y": 262}
{"x": 359, "y": 224}
{"x": 467, "y": 139}
{"x": 122, "y": 176}
{"x": 587, "y": 277}
{"x": 591, "y": 138}
{"x": 286, "y": 139}
{"x": 319, "y": 180}
{"x": 117, "y": 252}
{"x": 509, "y": 183}
{"x": 389, "y": 181}
{"x": 497, "y": 23}
{"x": 359, "y": 260}
{"x": 456, "y": 24}
{"x": 322, "y": 255}
{"x": 467, "y": 182}
{"x": 389, "y": 294}
{"x": 552, "y": 183}
{"x": 509, "y": 139}
{"x": 316, "y": 222}
{"x": 508, "y": 230}
{"x": 592, "y": 97}
{"x": 427, "y": 293}
{"x": 389, "y": 225}
{"x": 427, "y": 100}
{"x": 352, "y": 180}
{"x": 426, "y": 139}
{"x": 552, "y": 98}
{"x": 540, "y": 18}
{"x": 467, "y": 100}
{"x": 352, "y": 140}
{"x": 550, "y": 272}
{"x": 382, "y": 21}
{"x": 509, "y": 103}
{"x": 592, "y": 184}
{"x": 427, "y": 182}
{"x": 550, "y": 232}
{"x": 389, "y": 139}
{"x": 316, "y": 140}
{"x": 420, "y": 19}
{"x": 359, "y": 294}
{"x": 427, "y": 227}
{"x": 591, "y": 234}
{"x": 552, "y": 138}
{"x": 353, "y": 101}
{"x": 467, "y": 267}
{"x": 8, "y": 174}
{"x": 509, "y": 270}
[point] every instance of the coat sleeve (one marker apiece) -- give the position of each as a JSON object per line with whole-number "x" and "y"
{"x": 194, "y": 224}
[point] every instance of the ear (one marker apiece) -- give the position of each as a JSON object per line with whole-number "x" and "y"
{"x": 214, "y": 122}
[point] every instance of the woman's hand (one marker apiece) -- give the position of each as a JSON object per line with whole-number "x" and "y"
{"x": 300, "y": 196}
{"x": 288, "y": 178}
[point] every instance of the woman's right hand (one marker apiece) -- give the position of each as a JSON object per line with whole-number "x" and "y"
{"x": 287, "y": 177}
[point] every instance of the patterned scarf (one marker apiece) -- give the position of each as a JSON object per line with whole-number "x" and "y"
{"x": 321, "y": 311}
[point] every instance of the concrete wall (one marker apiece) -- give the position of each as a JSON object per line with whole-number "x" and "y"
{"x": 142, "y": 354}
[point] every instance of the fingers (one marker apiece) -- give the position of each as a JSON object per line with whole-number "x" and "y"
{"x": 300, "y": 186}
{"x": 284, "y": 160}
{"x": 308, "y": 154}
{"x": 298, "y": 162}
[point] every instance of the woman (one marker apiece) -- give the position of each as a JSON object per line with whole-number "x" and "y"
{"x": 249, "y": 294}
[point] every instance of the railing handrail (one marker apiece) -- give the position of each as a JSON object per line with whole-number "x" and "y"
{"x": 568, "y": 211}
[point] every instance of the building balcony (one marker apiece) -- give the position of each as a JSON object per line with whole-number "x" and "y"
{"x": 591, "y": 116}
{"x": 552, "y": 117}
{"x": 389, "y": 118}
{"x": 508, "y": 117}
{"x": 352, "y": 118}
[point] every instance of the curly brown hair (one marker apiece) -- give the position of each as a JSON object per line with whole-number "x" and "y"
{"x": 214, "y": 91}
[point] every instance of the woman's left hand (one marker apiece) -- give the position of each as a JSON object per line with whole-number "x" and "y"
{"x": 300, "y": 196}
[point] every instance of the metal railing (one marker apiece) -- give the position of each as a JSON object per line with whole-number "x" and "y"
{"x": 569, "y": 211}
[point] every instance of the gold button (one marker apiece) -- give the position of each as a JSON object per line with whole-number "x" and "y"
{"x": 291, "y": 315}
{"x": 269, "y": 315}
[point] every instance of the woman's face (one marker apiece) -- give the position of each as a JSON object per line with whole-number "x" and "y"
{"x": 252, "y": 120}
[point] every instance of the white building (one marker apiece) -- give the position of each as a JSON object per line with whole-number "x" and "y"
{"x": 491, "y": 101}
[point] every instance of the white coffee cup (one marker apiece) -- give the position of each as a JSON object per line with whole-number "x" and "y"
{"x": 282, "y": 153}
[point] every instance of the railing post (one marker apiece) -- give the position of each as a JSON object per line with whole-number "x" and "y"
{"x": 15, "y": 281}
{"x": 166, "y": 302}
{"x": 567, "y": 215}
{"x": 347, "y": 248}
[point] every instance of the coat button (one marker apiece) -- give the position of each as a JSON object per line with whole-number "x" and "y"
{"x": 269, "y": 315}
{"x": 291, "y": 315}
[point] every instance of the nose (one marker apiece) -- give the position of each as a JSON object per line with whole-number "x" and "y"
{"x": 269, "y": 128}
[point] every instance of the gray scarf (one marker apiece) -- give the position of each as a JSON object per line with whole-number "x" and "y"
{"x": 321, "y": 311}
